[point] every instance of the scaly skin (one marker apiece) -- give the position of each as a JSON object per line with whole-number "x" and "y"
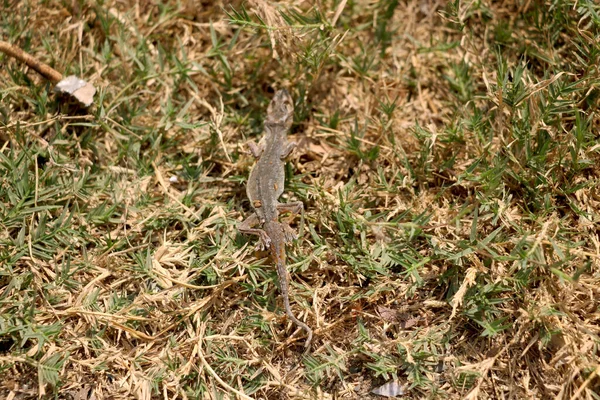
{"x": 265, "y": 185}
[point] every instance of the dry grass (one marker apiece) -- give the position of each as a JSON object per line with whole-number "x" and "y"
{"x": 447, "y": 159}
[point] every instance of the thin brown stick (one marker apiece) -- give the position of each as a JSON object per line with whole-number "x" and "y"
{"x": 43, "y": 69}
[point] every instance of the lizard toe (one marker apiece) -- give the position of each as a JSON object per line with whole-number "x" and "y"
{"x": 265, "y": 242}
{"x": 289, "y": 234}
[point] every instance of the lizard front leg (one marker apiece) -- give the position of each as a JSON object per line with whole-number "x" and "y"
{"x": 246, "y": 226}
{"x": 255, "y": 149}
{"x": 285, "y": 152}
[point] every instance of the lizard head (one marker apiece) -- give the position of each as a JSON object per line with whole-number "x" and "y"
{"x": 281, "y": 109}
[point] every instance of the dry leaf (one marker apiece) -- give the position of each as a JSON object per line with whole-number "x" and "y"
{"x": 390, "y": 315}
{"x": 387, "y": 314}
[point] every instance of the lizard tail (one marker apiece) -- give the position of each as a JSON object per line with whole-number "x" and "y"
{"x": 284, "y": 287}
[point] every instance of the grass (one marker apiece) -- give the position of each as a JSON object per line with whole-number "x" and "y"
{"x": 447, "y": 160}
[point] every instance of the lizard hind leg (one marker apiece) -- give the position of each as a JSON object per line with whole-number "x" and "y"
{"x": 295, "y": 208}
{"x": 265, "y": 241}
{"x": 289, "y": 234}
{"x": 247, "y": 227}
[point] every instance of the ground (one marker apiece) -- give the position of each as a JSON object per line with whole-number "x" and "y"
{"x": 448, "y": 163}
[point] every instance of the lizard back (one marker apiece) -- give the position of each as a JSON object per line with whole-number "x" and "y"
{"x": 267, "y": 178}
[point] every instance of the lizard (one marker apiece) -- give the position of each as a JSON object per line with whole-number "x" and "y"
{"x": 265, "y": 185}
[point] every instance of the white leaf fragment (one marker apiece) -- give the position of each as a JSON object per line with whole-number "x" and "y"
{"x": 78, "y": 88}
{"x": 70, "y": 84}
{"x": 390, "y": 389}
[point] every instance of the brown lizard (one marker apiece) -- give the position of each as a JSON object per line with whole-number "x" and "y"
{"x": 265, "y": 185}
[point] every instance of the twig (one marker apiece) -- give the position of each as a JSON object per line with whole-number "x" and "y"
{"x": 43, "y": 69}
{"x": 586, "y": 383}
